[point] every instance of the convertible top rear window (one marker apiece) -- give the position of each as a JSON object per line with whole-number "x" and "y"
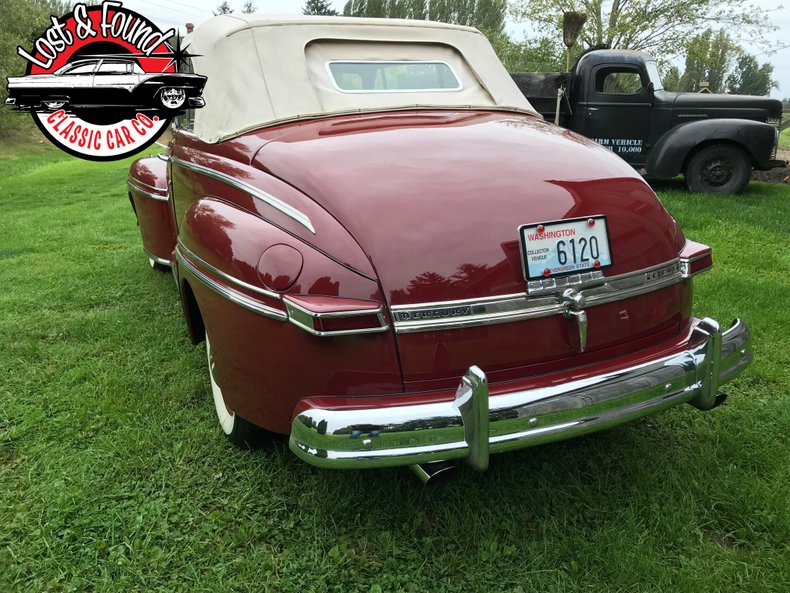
{"x": 375, "y": 76}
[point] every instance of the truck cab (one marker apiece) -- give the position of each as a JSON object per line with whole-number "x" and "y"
{"x": 616, "y": 98}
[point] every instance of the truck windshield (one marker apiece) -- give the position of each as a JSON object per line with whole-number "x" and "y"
{"x": 655, "y": 77}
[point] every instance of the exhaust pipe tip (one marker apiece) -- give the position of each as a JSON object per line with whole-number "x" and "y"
{"x": 436, "y": 473}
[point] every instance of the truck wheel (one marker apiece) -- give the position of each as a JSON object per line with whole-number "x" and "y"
{"x": 719, "y": 169}
{"x": 240, "y": 432}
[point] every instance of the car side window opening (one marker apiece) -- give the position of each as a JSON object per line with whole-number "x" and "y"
{"x": 610, "y": 81}
{"x": 78, "y": 69}
{"x": 373, "y": 76}
{"x": 113, "y": 68}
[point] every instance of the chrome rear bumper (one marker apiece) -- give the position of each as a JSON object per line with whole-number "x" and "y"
{"x": 474, "y": 425}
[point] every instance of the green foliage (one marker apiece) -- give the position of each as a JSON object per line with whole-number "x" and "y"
{"x": 486, "y": 15}
{"x": 223, "y": 8}
{"x": 248, "y": 7}
{"x": 784, "y": 138}
{"x": 531, "y": 55}
{"x": 709, "y": 57}
{"x": 115, "y": 477}
{"x": 21, "y": 21}
{"x": 750, "y": 78}
{"x": 658, "y": 26}
{"x": 318, "y": 7}
{"x": 671, "y": 79}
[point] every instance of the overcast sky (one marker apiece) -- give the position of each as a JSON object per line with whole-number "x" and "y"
{"x": 174, "y": 13}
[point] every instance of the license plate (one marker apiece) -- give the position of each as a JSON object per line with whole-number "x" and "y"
{"x": 560, "y": 247}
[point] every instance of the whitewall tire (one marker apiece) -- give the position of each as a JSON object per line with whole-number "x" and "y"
{"x": 239, "y": 431}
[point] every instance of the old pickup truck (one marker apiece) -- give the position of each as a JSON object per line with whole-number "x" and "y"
{"x": 616, "y": 98}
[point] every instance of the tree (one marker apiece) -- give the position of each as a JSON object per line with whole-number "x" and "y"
{"x": 658, "y": 26}
{"x": 223, "y": 8}
{"x": 486, "y": 15}
{"x": 319, "y": 7}
{"x": 709, "y": 57}
{"x": 532, "y": 55}
{"x": 22, "y": 22}
{"x": 248, "y": 7}
{"x": 750, "y": 78}
{"x": 671, "y": 79}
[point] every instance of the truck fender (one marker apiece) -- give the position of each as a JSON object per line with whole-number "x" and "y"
{"x": 672, "y": 151}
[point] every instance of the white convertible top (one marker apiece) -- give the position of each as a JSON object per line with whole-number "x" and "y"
{"x": 265, "y": 70}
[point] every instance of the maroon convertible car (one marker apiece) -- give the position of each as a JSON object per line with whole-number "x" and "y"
{"x": 394, "y": 260}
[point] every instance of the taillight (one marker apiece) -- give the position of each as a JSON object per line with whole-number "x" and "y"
{"x": 695, "y": 258}
{"x": 335, "y": 316}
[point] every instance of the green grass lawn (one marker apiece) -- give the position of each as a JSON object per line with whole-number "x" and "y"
{"x": 114, "y": 475}
{"x": 784, "y": 138}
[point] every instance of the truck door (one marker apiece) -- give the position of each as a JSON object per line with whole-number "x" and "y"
{"x": 617, "y": 111}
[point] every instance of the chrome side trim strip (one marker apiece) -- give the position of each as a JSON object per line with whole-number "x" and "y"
{"x": 232, "y": 279}
{"x": 233, "y": 296}
{"x": 133, "y": 185}
{"x": 161, "y": 261}
{"x": 516, "y": 307}
{"x": 145, "y": 185}
{"x": 269, "y": 199}
{"x": 303, "y": 319}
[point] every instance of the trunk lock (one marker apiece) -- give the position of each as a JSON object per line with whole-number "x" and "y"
{"x": 574, "y": 301}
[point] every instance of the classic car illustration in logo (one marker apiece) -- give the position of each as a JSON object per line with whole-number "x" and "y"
{"x": 106, "y": 82}
{"x": 102, "y": 82}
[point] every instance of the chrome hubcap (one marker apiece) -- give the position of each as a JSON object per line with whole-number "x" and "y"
{"x": 173, "y": 98}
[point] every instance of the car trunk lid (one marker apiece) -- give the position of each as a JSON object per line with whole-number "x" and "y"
{"x": 436, "y": 198}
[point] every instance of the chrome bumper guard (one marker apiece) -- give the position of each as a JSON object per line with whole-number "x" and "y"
{"x": 474, "y": 425}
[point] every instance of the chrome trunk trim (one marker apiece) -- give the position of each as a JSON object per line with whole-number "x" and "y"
{"x": 517, "y": 307}
{"x": 259, "y": 194}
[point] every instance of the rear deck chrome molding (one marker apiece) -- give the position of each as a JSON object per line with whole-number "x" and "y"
{"x": 473, "y": 424}
{"x": 233, "y": 296}
{"x": 516, "y": 307}
{"x": 259, "y": 194}
{"x": 232, "y": 279}
{"x": 146, "y": 190}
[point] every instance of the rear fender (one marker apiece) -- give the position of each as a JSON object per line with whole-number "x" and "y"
{"x": 671, "y": 153}
{"x": 238, "y": 268}
{"x": 148, "y": 193}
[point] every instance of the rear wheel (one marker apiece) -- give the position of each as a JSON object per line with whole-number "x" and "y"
{"x": 719, "y": 169}
{"x": 54, "y": 104}
{"x": 172, "y": 98}
{"x": 239, "y": 431}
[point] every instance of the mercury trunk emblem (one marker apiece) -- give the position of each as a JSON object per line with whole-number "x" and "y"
{"x": 573, "y": 302}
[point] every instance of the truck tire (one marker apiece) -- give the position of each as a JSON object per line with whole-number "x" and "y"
{"x": 718, "y": 169}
